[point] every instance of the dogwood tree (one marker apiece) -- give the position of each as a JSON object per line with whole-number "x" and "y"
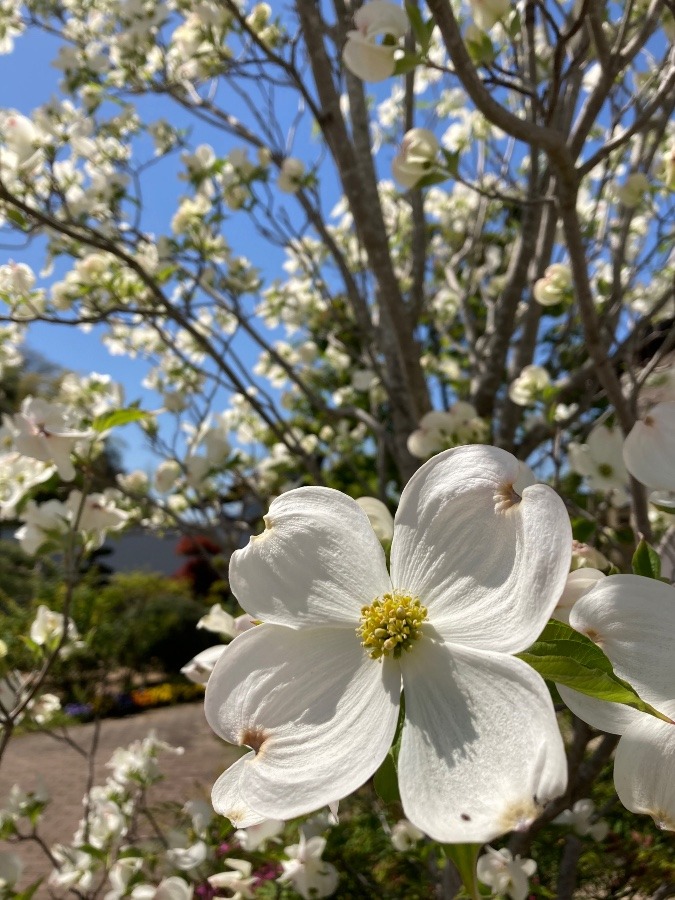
{"x": 389, "y": 231}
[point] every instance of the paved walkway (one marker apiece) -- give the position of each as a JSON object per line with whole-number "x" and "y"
{"x": 30, "y": 756}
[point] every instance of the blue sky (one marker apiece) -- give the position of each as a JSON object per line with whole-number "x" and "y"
{"x": 27, "y": 80}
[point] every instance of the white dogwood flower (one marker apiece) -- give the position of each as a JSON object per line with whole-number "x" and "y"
{"x": 238, "y": 881}
{"x": 487, "y": 13}
{"x": 200, "y": 666}
{"x": 632, "y": 191}
{"x": 581, "y": 817}
{"x": 440, "y": 429}
{"x": 22, "y": 140}
{"x": 528, "y": 386}
{"x": 18, "y": 474}
{"x": 379, "y": 516}
{"x": 41, "y": 521}
{"x": 554, "y": 286}
{"x": 314, "y": 691}
{"x": 600, "y": 462}
{"x": 504, "y": 873}
{"x": 404, "y": 835}
{"x": 218, "y": 621}
{"x": 11, "y": 867}
{"x": 290, "y": 175}
{"x": 309, "y": 874}
{"x": 120, "y": 874}
{"x": 370, "y": 50}
{"x": 633, "y": 619}
{"x": 45, "y": 431}
{"x": 47, "y": 627}
{"x": 649, "y": 449}
{"x": 578, "y": 583}
{"x": 256, "y": 837}
{"x": 416, "y": 156}
{"x": 172, "y": 888}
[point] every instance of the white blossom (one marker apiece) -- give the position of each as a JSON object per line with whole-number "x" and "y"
{"x": 256, "y": 836}
{"x": 318, "y": 683}
{"x": 188, "y": 857}
{"x": 504, "y": 873}
{"x": 218, "y": 621}
{"x": 487, "y": 13}
{"x": 238, "y": 881}
{"x": 290, "y": 175}
{"x": 633, "y": 619}
{"x": 579, "y": 582}
{"x": 416, "y": 156}
{"x": 200, "y": 666}
{"x": 121, "y": 872}
{"x": 45, "y": 431}
{"x": 48, "y": 626}
{"x": 11, "y": 867}
{"x": 554, "y": 286}
{"x": 649, "y": 449}
{"x": 307, "y": 871}
{"x": 379, "y": 516}
{"x": 370, "y": 50}
{"x": 528, "y": 386}
{"x": 632, "y": 191}
{"x": 581, "y": 817}
{"x": 600, "y": 462}
{"x": 172, "y": 888}
{"x": 404, "y": 835}
{"x": 22, "y": 139}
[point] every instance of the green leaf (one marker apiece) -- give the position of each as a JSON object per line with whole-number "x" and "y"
{"x": 481, "y": 50}
{"x": 407, "y": 63}
{"x": 17, "y": 217}
{"x": 646, "y": 561}
{"x": 418, "y": 26}
{"x": 465, "y": 857}
{"x": 385, "y": 780}
{"x": 566, "y": 657}
{"x": 583, "y": 529}
{"x": 118, "y": 417}
{"x": 28, "y": 892}
{"x": 451, "y": 161}
{"x": 435, "y": 177}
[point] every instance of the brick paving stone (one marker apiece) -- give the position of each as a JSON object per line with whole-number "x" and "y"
{"x": 64, "y": 771}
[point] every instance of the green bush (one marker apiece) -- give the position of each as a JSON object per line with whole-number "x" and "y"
{"x": 140, "y": 622}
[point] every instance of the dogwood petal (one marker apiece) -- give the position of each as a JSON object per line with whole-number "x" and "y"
{"x": 319, "y": 713}
{"x": 227, "y": 797}
{"x": 488, "y": 565}
{"x": 481, "y": 750}
{"x": 615, "y": 718}
{"x": 318, "y": 561}
{"x": 633, "y": 620}
{"x": 644, "y": 770}
{"x": 649, "y": 449}
{"x": 368, "y": 60}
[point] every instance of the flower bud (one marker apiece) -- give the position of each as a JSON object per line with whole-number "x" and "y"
{"x": 416, "y": 157}
{"x": 487, "y": 13}
{"x": 634, "y": 189}
{"x": 528, "y": 385}
{"x": 292, "y": 170}
{"x": 554, "y": 286}
{"x": 370, "y": 50}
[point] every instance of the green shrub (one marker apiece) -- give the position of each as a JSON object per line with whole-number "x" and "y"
{"x": 140, "y": 622}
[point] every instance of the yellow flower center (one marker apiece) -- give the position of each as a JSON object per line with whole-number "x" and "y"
{"x": 391, "y": 624}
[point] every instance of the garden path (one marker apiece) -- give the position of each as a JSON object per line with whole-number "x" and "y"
{"x": 65, "y": 773}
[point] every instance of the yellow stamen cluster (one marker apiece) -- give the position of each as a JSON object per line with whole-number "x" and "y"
{"x": 391, "y": 624}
